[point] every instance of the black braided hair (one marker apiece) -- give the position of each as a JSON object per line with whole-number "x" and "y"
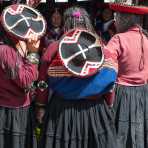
{"x": 4, "y": 38}
{"x": 127, "y": 21}
{"x": 124, "y": 21}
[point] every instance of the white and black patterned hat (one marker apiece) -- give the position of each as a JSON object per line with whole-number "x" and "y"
{"x": 22, "y": 21}
{"x": 81, "y": 52}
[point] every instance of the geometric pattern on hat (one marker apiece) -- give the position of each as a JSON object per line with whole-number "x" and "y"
{"x": 22, "y": 21}
{"x": 81, "y": 52}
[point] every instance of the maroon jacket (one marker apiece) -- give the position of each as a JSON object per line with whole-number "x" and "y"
{"x": 16, "y": 75}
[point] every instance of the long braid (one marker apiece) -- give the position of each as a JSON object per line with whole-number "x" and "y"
{"x": 145, "y": 32}
{"x": 126, "y": 22}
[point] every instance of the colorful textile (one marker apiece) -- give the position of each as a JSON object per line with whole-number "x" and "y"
{"x": 81, "y": 88}
{"x": 71, "y": 87}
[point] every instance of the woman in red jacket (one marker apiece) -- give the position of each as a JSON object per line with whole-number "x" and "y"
{"x": 17, "y": 72}
{"x": 77, "y": 113}
{"x": 130, "y": 49}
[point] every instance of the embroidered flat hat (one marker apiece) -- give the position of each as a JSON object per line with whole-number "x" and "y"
{"x": 22, "y": 21}
{"x": 81, "y": 52}
{"x": 129, "y": 8}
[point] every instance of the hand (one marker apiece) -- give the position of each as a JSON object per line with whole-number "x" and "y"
{"x": 33, "y": 44}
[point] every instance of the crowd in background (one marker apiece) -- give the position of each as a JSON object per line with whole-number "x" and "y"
{"x": 101, "y": 17}
{"x": 105, "y": 115}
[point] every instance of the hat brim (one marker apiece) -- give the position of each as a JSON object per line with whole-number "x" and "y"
{"x": 22, "y": 21}
{"x": 81, "y": 52}
{"x": 129, "y": 9}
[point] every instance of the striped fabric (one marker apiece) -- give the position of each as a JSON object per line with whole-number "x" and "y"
{"x": 57, "y": 69}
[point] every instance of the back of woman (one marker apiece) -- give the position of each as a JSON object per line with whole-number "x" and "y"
{"x": 132, "y": 55}
{"x": 74, "y": 119}
{"x": 130, "y": 50}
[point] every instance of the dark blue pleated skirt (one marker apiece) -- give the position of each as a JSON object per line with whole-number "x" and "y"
{"x": 78, "y": 124}
{"x": 16, "y": 128}
{"x": 131, "y": 109}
